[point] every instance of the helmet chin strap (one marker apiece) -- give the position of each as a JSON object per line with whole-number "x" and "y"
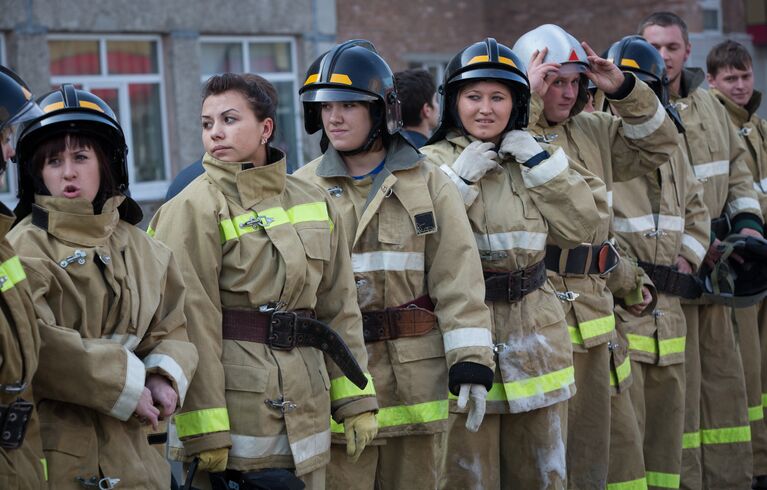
{"x": 374, "y": 134}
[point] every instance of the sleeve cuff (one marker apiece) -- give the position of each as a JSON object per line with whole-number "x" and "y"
{"x": 356, "y": 407}
{"x": 469, "y": 373}
{"x": 168, "y": 367}
{"x": 629, "y": 81}
{"x": 135, "y": 375}
{"x": 747, "y": 220}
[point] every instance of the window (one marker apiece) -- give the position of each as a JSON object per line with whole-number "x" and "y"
{"x": 433, "y": 63}
{"x": 126, "y": 72}
{"x": 712, "y": 15}
{"x": 274, "y": 58}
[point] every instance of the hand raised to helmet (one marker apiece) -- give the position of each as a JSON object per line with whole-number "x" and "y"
{"x": 604, "y": 73}
{"x": 541, "y": 75}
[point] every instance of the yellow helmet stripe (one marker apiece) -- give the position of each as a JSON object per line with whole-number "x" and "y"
{"x": 507, "y": 61}
{"x": 340, "y": 78}
{"x": 629, "y": 62}
{"x": 83, "y": 103}
{"x": 53, "y": 107}
{"x": 478, "y": 59}
{"x": 90, "y": 105}
{"x": 312, "y": 78}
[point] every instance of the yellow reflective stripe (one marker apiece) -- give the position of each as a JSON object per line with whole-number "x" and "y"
{"x": 764, "y": 400}
{"x": 638, "y": 484}
{"x": 575, "y": 335}
{"x": 269, "y": 218}
{"x": 755, "y": 413}
{"x": 44, "y": 462}
{"x": 631, "y": 63}
{"x": 662, "y": 480}
{"x": 650, "y": 345}
{"x": 691, "y": 440}
{"x": 343, "y": 388}
{"x": 727, "y": 435}
{"x": 597, "y": 327}
{"x": 150, "y": 231}
{"x": 419, "y": 413}
{"x": 11, "y": 273}
{"x": 340, "y": 78}
{"x": 623, "y": 371}
{"x": 202, "y": 422}
{"x": 312, "y": 78}
{"x": 496, "y": 394}
{"x": 546, "y": 383}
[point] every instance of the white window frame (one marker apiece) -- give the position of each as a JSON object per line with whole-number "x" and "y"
{"x": 283, "y": 76}
{"x": 426, "y": 61}
{"x": 140, "y": 191}
{"x": 713, "y": 5}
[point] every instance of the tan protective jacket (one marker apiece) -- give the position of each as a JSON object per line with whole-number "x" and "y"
{"x": 753, "y": 131}
{"x": 512, "y": 214}
{"x": 615, "y": 149}
{"x": 717, "y": 154}
{"x": 657, "y": 217}
{"x": 249, "y": 236}
{"x": 109, "y": 302}
{"x": 22, "y": 468}
{"x": 409, "y": 237}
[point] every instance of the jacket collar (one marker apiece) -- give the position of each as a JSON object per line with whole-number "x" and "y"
{"x": 400, "y": 155}
{"x": 247, "y": 184}
{"x": 691, "y": 80}
{"x": 6, "y": 220}
{"x": 73, "y": 220}
{"x": 741, "y": 114}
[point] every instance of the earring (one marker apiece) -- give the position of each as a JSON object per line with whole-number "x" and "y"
{"x": 263, "y": 141}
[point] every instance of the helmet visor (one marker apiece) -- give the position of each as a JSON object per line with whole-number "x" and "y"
{"x": 336, "y": 95}
{"x": 573, "y": 67}
{"x": 13, "y": 127}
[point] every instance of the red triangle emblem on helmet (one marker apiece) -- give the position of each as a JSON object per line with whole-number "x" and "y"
{"x": 573, "y": 56}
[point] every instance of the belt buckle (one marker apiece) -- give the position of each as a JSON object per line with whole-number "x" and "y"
{"x": 282, "y": 330}
{"x": 14, "y": 422}
{"x": 615, "y": 264}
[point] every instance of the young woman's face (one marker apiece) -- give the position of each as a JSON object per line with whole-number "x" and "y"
{"x": 73, "y": 173}
{"x": 347, "y": 124}
{"x": 484, "y": 109}
{"x": 231, "y": 132}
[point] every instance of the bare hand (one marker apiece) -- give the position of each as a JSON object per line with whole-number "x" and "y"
{"x": 750, "y": 232}
{"x": 146, "y": 412}
{"x": 638, "y": 308}
{"x": 541, "y": 75}
{"x": 163, "y": 395}
{"x": 604, "y": 73}
{"x": 682, "y": 265}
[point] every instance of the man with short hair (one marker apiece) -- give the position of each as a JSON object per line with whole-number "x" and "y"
{"x": 717, "y": 439}
{"x": 420, "y": 106}
{"x": 731, "y": 78}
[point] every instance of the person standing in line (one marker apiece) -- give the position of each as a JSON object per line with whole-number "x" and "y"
{"x": 420, "y": 105}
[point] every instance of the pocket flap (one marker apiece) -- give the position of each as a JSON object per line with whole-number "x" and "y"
{"x": 412, "y": 349}
{"x": 316, "y": 242}
{"x": 246, "y": 378}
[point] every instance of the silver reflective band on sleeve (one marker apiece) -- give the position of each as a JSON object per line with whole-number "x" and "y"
{"x": 468, "y": 193}
{"x": 387, "y": 261}
{"x": 546, "y": 170}
{"x": 743, "y": 204}
{"x": 134, "y": 385}
{"x": 610, "y": 198}
{"x": 467, "y": 337}
{"x": 645, "y": 129}
{"x": 647, "y": 222}
{"x": 526, "y": 240}
{"x": 712, "y": 169}
{"x": 128, "y": 340}
{"x": 761, "y": 186}
{"x": 694, "y": 245}
{"x": 170, "y": 366}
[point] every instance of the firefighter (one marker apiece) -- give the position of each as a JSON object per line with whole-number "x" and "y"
{"x": 516, "y": 193}
{"x": 270, "y": 297}
{"x": 731, "y": 77}
{"x": 114, "y": 352}
{"x": 615, "y": 149}
{"x": 660, "y": 221}
{"x": 22, "y": 464}
{"x": 717, "y": 438}
{"x": 413, "y": 255}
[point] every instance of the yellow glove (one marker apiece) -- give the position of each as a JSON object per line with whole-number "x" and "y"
{"x": 214, "y": 460}
{"x": 359, "y": 430}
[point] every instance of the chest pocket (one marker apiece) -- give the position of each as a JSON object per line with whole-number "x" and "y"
{"x": 316, "y": 242}
{"x": 393, "y": 221}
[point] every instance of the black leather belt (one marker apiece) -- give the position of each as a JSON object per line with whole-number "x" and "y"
{"x": 14, "y": 419}
{"x": 582, "y": 260}
{"x": 671, "y": 281}
{"x": 721, "y": 227}
{"x": 284, "y": 330}
{"x": 513, "y": 286}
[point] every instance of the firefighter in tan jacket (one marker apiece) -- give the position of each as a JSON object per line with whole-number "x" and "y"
{"x": 717, "y": 439}
{"x": 515, "y": 198}
{"x": 660, "y": 221}
{"x": 269, "y": 271}
{"x": 731, "y": 77}
{"x": 22, "y": 465}
{"x": 114, "y": 352}
{"x": 614, "y": 149}
{"x": 419, "y": 278}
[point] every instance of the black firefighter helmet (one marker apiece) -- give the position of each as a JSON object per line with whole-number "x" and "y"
{"x": 70, "y": 110}
{"x": 484, "y": 60}
{"x": 738, "y": 283}
{"x": 352, "y": 71}
{"x": 16, "y": 105}
{"x": 636, "y": 55}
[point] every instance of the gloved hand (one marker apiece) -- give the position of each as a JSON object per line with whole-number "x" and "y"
{"x": 521, "y": 145}
{"x": 359, "y": 431}
{"x": 478, "y": 395}
{"x": 214, "y": 460}
{"x": 476, "y": 160}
